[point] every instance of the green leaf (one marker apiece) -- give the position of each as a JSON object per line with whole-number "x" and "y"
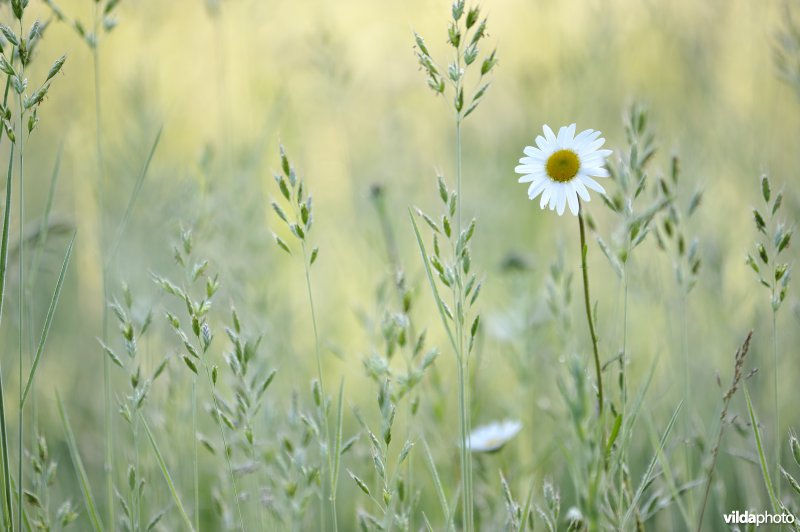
{"x": 77, "y": 463}
{"x": 167, "y": 477}
{"x": 48, "y": 320}
{"x": 762, "y": 459}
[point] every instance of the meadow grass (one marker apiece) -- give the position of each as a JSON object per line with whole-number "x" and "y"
{"x": 381, "y": 333}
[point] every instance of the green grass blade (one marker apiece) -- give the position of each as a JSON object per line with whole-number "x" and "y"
{"x": 337, "y": 448}
{"x": 48, "y": 320}
{"x": 132, "y": 200}
{"x": 167, "y": 476}
{"x": 668, "y": 476}
{"x": 86, "y": 488}
{"x": 439, "y": 303}
{"x": 761, "y": 458}
{"x": 649, "y": 472}
{"x": 7, "y": 513}
{"x": 438, "y": 484}
{"x": 44, "y": 227}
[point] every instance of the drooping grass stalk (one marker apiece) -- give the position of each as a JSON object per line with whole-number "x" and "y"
{"x": 589, "y": 318}
{"x": 738, "y": 374}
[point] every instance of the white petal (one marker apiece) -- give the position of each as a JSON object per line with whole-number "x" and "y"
{"x": 548, "y": 133}
{"x": 553, "y": 203}
{"x": 546, "y": 193}
{"x": 583, "y": 135}
{"x": 565, "y": 136}
{"x": 580, "y": 188}
{"x": 542, "y": 142}
{"x": 528, "y": 168}
{"x": 594, "y": 146}
{"x": 534, "y": 159}
{"x": 572, "y": 199}
{"x": 531, "y": 176}
{"x": 593, "y": 170}
{"x": 562, "y": 199}
{"x": 591, "y": 183}
{"x": 530, "y": 151}
{"x": 536, "y": 188}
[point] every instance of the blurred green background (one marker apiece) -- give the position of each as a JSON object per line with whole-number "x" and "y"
{"x": 338, "y": 85}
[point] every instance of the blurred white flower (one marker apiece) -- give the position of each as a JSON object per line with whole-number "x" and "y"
{"x": 561, "y": 168}
{"x": 492, "y": 437}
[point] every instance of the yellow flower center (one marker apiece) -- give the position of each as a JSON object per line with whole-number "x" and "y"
{"x": 563, "y": 165}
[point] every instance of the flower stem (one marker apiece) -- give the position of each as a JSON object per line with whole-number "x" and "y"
{"x": 589, "y": 318}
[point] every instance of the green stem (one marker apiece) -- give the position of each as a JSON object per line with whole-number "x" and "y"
{"x": 777, "y": 405}
{"x": 324, "y": 407}
{"x": 107, "y": 414}
{"x": 194, "y": 444}
{"x": 589, "y": 319}
{"x": 463, "y": 359}
{"x": 21, "y": 303}
{"x": 218, "y": 417}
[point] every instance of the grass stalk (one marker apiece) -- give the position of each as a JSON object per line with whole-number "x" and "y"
{"x": 21, "y": 250}
{"x": 324, "y": 406}
{"x": 777, "y": 429}
{"x": 107, "y": 402}
{"x": 218, "y": 417}
{"x": 195, "y": 478}
{"x": 7, "y": 506}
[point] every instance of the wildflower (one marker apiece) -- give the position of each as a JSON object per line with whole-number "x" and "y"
{"x": 492, "y": 437}
{"x": 562, "y": 167}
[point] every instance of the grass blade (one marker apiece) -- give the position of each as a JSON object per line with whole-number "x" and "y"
{"x": 439, "y": 304}
{"x": 649, "y": 472}
{"x": 86, "y": 488}
{"x": 438, "y": 484}
{"x": 132, "y": 201}
{"x": 337, "y": 448}
{"x": 7, "y": 513}
{"x": 48, "y": 319}
{"x": 762, "y": 460}
{"x": 167, "y": 476}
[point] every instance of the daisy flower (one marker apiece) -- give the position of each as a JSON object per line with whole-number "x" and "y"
{"x": 492, "y": 437}
{"x": 561, "y": 167}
